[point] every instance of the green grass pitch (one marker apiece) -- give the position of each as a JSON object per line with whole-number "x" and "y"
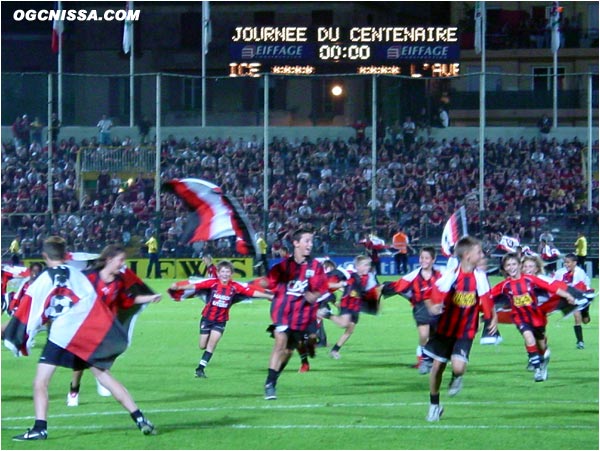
{"x": 369, "y": 399}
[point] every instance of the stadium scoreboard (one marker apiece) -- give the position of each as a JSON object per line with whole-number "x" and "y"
{"x": 417, "y": 51}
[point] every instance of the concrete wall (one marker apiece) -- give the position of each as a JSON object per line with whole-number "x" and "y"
{"x": 313, "y": 133}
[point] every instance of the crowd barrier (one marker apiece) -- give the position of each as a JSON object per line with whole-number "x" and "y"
{"x": 183, "y": 268}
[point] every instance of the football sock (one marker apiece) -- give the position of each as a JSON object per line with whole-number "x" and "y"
{"x": 40, "y": 425}
{"x": 271, "y": 377}
{"x": 73, "y": 389}
{"x": 137, "y": 415}
{"x": 578, "y": 333}
{"x": 434, "y": 399}
{"x": 205, "y": 359}
{"x": 336, "y": 347}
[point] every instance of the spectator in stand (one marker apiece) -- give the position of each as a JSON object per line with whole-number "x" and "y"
{"x": 409, "y": 129}
{"x": 36, "y": 131}
{"x": 544, "y": 124}
{"x": 104, "y": 126}
{"x": 144, "y": 129}
{"x": 54, "y": 126}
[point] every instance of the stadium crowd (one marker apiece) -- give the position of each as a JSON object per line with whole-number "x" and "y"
{"x": 326, "y": 182}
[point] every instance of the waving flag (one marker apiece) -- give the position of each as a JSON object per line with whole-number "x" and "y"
{"x": 213, "y": 215}
{"x": 555, "y": 26}
{"x": 479, "y": 32}
{"x": 57, "y": 29}
{"x": 127, "y": 30}
{"x": 80, "y": 325}
{"x": 454, "y": 230}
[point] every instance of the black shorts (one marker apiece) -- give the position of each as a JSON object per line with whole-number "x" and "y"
{"x": 53, "y": 354}
{"x": 206, "y": 326}
{"x": 442, "y": 348}
{"x": 353, "y": 315}
{"x": 538, "y": 332}
{"x": 422, "y": 316}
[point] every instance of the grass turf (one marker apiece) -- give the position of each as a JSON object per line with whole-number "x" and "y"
{"x": 369, "y": 399}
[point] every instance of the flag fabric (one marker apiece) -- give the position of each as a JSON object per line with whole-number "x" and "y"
{"x": 57, "y": 29}
{"x": 454, "y": 230}
{"x": 479, "y": 32}
{"x": 508, "y": 244}
{"x": 206, "y": 25}
{"x": 213, "y": 215}
{"x": 80, "y": 325}
{"x": 555, "y": 27}
{"x": 127, "y": 30}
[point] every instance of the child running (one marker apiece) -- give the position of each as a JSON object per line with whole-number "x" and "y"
{"x": 459, "y": 296}
{"x": 350, "y": 303}
{"x": 416, "y": 287}
{"x": 221, "y": 294}
{"x": 525, "y": 312}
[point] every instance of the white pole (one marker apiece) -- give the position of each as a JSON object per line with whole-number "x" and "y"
{"x": 589, "y": 146}
{"x": 555, "y": 90}
{"x": 373, "y": 147}
{"x": 131, "y": 72}
{"x": 482, "y": 110}
{"x": 60, "y": 71}
{"x": 50, "y": 184}
{"x": 204, "y": 46}
{"x": 158, "y": 145}
{"x": 266, "y": 153}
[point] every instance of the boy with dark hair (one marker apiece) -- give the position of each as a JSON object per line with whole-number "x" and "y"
{"x": 66, "y": 297}
{"x": 459, "y": 296}
{"x": 220, "y": 295}
{"x": 297, "y": 282}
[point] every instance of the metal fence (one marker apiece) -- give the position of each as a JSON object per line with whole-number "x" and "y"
{"x": 303, "y": 100}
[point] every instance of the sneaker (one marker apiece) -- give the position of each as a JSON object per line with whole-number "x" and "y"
{"x": 335, "y": 355}
{"x": 580, "y": 345}
{"x": 32, "y": 434}
{"x": 419, "y": 360}
{"x": 544, "y": 365}
{"x": 200, "y": 372}
{"x": 72, "y": 399}
{"x": 304, "y": 368}
{"x": 102, "y": 390}
{"x": 324, "y": 312}
{"x": 270, "y": 392}
{"x": 145, "y": 426}
{"x": 425, "y": 366}
{"x": 538, "y": 376}
{"x": 456, "y": 384}
{"x": 435, "y": 412}
{"x": 495, "y": 339}
{"x": 530, "y": 366}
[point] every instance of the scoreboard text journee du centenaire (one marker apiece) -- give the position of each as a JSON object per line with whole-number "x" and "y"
{"x": 416, "y": 51}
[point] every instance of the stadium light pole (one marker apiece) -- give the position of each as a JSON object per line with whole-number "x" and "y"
{"x": 157, "y": 157}
{"x": 266, "y": 152}
{"x": 50, "y": 184}
{"x": 373, "y": 149}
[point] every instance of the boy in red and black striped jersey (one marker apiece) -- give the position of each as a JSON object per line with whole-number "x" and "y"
{"x": 525, "y": 312}
{"x": 350, "y": 303}
{"x": 219, "y": 299}
{"x": 459, "y": 296}
{"x": 297, "y": 282}
{"x": 416, "y": 287}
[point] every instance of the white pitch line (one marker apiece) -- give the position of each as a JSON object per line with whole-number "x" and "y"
{"x": 340, "y": 426}
{"x": 273, "y": 406}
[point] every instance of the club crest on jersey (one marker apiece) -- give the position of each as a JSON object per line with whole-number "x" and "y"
{"x": 310, "y": 273}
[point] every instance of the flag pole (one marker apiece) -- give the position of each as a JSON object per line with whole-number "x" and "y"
{"x": 60, "y": 72}
{"x": 266, "y": 153}
{"x": 482, "y": 109}
{"x": 131, "y": 70}
{"x": 205, "y": 25}
{"x": 50, "y": 144}
{"x": 555, "y": 90}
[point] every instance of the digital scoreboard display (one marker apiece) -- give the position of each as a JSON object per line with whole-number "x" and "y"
{"x": 433, "y": 51}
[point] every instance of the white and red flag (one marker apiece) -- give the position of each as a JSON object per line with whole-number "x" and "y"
{"x": 454, "y": 230}
{"x": 213, "y": 214}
